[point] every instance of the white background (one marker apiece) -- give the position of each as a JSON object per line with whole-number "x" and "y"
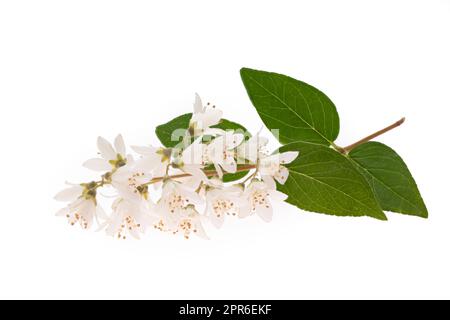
{"x": 73, "y": 70}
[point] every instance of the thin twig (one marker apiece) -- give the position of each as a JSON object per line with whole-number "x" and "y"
{"x": 347, "y": 149}
{"x": 208, "y": 173}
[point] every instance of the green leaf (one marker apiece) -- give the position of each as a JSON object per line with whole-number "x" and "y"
{"x": 325, "y": 181}
{"x": 230, "y": 125}
{"x": 171, "y": 134}
{"x": 390, "y": 179}
{"x": 230, "y": 177}
{"x": 300, "y": 111}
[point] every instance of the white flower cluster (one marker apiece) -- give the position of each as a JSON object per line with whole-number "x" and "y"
{"x": 187, "y": 182}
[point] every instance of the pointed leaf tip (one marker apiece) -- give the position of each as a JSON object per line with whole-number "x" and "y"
{"x": 299, "y": 111}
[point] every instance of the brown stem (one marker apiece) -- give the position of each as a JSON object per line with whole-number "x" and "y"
{"x": 209, "y": 173}
{"x": 347, "y": 149}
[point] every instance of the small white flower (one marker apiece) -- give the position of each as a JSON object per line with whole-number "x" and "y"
{"x": 129, "y": 217}
{"x": 222, "y": 201}
{"x": 130, "y": 182}
{"x": 153, "y": 160}
{"x": 273, "y": 167}
{"x": 82, "y": 207}
{"x": 253, "y": 149}
{"x": 222, "y": 153}
{"x": 257, "y": 197}
{"x": 174, "y": 199}
{"x": 70, "y": 194}
{"x": 203, "y": 118}
{"x": 111, "y": 157}
{"x": 190, "y": 222}
{"x": 185, "y": 222}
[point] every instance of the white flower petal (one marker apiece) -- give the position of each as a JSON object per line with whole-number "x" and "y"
{"x": 200, "y": 232}
{"x": 256, "y": 185}
{"x": 233, "y": 140}
{"x": 213, "y": 132}
{"x": 113, "y": 225}
{"x": 130, "y": 159}
{"x": 119, "y": 144}
{"x": 215, "y": 150}
{"x": 211, "y": 117}
{"x": 248, "y": 152}
{"x": 97, "y": 164}
{"x": 229, "y": 165}
{"x": 69, "y": 194}
{"x": 122, "y": 174}
{"x": 147, "y": 219}
{"x": 277, "y": 195}
{"x": 157, "y": 185}
{"x": 272, "y": 159}
{"x": 269, "y": 181}
{"x": 265, "y": 212}
{"x": 252, "y": 148}
{"x": 215, "y": 183}
{"x": 89, "y": 213}
{"x": 106, "y": 149}
{"x": 71, "y": 183}
{"x": 192, "y": 182}
{"x": 102, "y": 226}
{"x": 77, "y": 204}
{"x": 198, "y": 105}
{"x": 262, "y": 141}
{"x": 134, "y": 233}
{"x": 148, "y": 163}
{"x": 217, "y": 221}
{"x": 244, "y": 209}
{"x": 282, "y": 175}
{"x": 100, "y": 213}
{"x": 192, "y": 196}
{"x": 196, "y": 172}
{"x": 144, "y": 150}
{"x": 218, "y": 170}
{"x": 288, "y": 157}
{"x": 62, "y": 212}
{"x": 194, "y": 153}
